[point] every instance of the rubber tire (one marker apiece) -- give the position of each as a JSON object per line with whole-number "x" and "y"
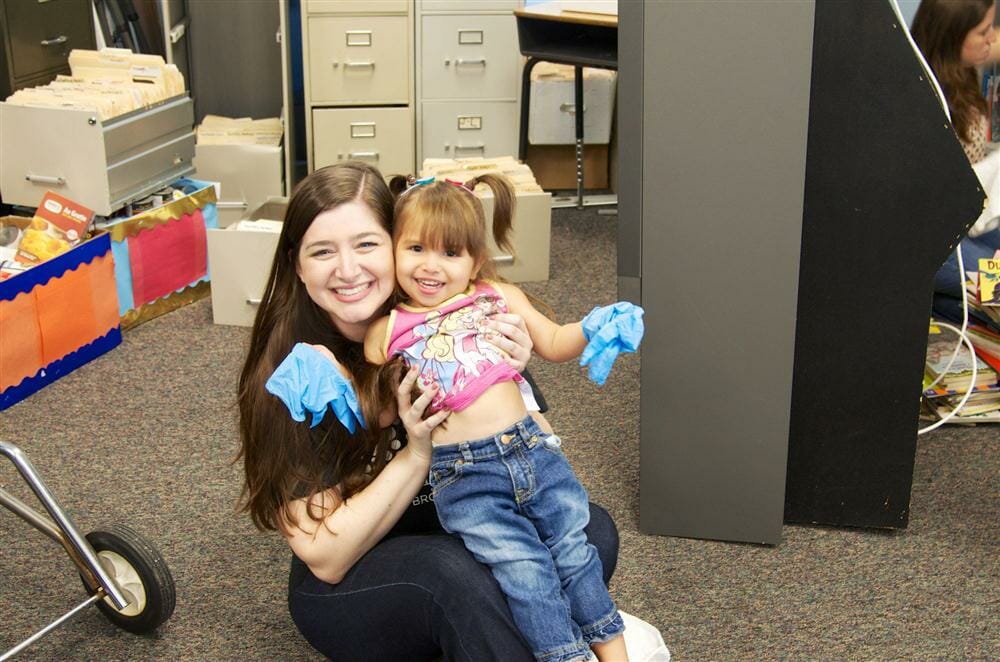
{"x": 153, "y": 572}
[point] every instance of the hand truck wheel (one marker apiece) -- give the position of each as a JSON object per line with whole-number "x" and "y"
{"x": 140, "y": 571}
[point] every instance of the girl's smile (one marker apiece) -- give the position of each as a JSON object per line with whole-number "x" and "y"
{"x": 430, "y": 276}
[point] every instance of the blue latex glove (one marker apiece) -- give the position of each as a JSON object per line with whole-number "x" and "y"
{"x": 308, "y": 381}
{"x": 610, "y": 330}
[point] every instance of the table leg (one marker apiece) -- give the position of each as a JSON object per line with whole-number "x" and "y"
{"x": 578, "y": 100}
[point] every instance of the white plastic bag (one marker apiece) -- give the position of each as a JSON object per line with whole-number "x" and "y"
{"x": 642, "y": 641}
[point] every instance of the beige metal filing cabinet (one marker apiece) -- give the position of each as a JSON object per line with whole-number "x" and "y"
{"x": 358, "y": 71}
{"x": 37, "y": 38}
{"x": 468, "y": 80}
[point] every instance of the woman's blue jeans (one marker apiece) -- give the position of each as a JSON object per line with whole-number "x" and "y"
{"x": 948, "y": 280}
{"x": 420, "y": 597}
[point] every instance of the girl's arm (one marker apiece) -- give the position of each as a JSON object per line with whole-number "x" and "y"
{"x": 350, "y": 528}
{"x": 553, "y": 342}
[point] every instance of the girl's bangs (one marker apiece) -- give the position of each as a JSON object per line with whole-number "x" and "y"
{"x": 442, "y": 222}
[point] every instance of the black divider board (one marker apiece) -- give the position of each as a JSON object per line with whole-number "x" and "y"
{"x": 888, "y": 193}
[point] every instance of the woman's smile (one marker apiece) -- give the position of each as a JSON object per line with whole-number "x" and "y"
{"x": 345, "y": 262}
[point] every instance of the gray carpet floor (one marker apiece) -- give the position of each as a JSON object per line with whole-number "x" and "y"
{"x": 146, "y": 435}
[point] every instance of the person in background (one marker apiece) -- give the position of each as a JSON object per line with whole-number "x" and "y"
{"x": 373, "y": 575}
{"x": 957, "y": 37}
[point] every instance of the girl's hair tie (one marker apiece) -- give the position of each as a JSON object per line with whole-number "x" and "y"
{"x": 413, "y": 183}
{"x": 468, "y": 187}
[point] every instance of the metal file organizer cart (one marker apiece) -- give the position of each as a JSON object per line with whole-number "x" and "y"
{"x": 101, "y": 164}
{"x": 104, "y": 165}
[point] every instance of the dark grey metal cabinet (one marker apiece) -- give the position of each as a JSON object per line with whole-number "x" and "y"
{"x": 37, "y": 38}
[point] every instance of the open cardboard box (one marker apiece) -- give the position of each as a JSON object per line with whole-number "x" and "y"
{"x": 240, "y": 261}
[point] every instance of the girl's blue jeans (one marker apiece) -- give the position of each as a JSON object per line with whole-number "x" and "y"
{"x": 514, "y": 501}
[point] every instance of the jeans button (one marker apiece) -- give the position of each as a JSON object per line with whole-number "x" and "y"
{"x": 505, "y": 439}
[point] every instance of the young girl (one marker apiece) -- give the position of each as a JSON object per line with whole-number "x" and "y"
{"x": 499, "y": 481}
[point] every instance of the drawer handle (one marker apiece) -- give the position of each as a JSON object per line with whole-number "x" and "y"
{"x": 480, "y": 146}
{"x": 44, "y": 179}
{"x": 253, "y": 302}
{"x": 503, "y": 259}
{"x": 570, "y": 108}
{"x": 230, "y": 204}
{"x": 481, "y": 61}
{"x": 358, "y": 65}
{"x": 177, "y": 32}
{"x": 363, "y": 155}
{"x": 61, "y": 39}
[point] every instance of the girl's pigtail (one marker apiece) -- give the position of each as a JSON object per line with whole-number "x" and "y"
{"x": 398, "y": 184}
{"x": 503, "y": 207}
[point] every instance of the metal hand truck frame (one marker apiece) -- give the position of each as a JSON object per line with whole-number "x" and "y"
{"x": 124, "y": 574}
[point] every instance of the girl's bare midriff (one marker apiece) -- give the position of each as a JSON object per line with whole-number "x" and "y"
{"x": 499, "y": 407}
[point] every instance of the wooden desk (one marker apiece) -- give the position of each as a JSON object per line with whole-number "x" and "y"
{"x": 580, "y": 39}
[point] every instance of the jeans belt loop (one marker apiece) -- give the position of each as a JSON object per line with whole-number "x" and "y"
{"x": 466, "y": 452}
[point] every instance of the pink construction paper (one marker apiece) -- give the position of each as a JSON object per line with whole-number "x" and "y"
{"x": 168, "y": 257}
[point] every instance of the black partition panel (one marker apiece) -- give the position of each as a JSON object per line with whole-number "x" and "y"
{"x": 888, "y": 193}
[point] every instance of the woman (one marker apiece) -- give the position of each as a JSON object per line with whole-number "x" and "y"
{"x": 956, "y": 37}
{"x": 373, "y": 576}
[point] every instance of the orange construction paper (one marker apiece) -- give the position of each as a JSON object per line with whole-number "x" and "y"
{"x": 66, "y": 313}
{"x": 20, "y": 340}
{"x": 104, "y": 294}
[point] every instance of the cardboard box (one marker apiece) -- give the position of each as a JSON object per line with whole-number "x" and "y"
{"x": 555, "y": 166}
{"x": 248, "y": 174}
{"x": 56, "y": 316}
{"x": 240, "y": 260}
{"x": 552, "y": 107}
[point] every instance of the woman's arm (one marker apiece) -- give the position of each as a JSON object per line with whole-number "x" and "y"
{"x": 553, "y": 342}
{"x": 350, "y": 528}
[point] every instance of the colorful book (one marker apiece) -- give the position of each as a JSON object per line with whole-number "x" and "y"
{"x": 989, "y": 281}
{"x": 959, "y": 374}
{"x": 985, "y": 339}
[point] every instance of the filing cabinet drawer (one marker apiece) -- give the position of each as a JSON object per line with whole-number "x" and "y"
{"x": 357, "y": 7}
{"x": 359, "y": 59}
{"x": 380, "y": 136}
{"x": 470, "y": 56}
{"x": 42, "y": 34}
{"x": 466, "y": 5}
{"x": 462, "y": 129}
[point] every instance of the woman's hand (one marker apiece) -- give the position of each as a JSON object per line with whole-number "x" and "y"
{"x": 509, "y": 334}
{"x": 418, "y": 429}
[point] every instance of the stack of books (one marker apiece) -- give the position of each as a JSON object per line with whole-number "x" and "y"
{"x": 951, "y": 385}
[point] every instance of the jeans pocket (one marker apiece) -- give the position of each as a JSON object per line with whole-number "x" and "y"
{"x": 444, "y": 474}
{"x": 553, "y": 444}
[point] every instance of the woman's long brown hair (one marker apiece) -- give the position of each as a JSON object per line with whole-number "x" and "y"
{"x": 283, "y": 460}
{"x": 940, "y": 28}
